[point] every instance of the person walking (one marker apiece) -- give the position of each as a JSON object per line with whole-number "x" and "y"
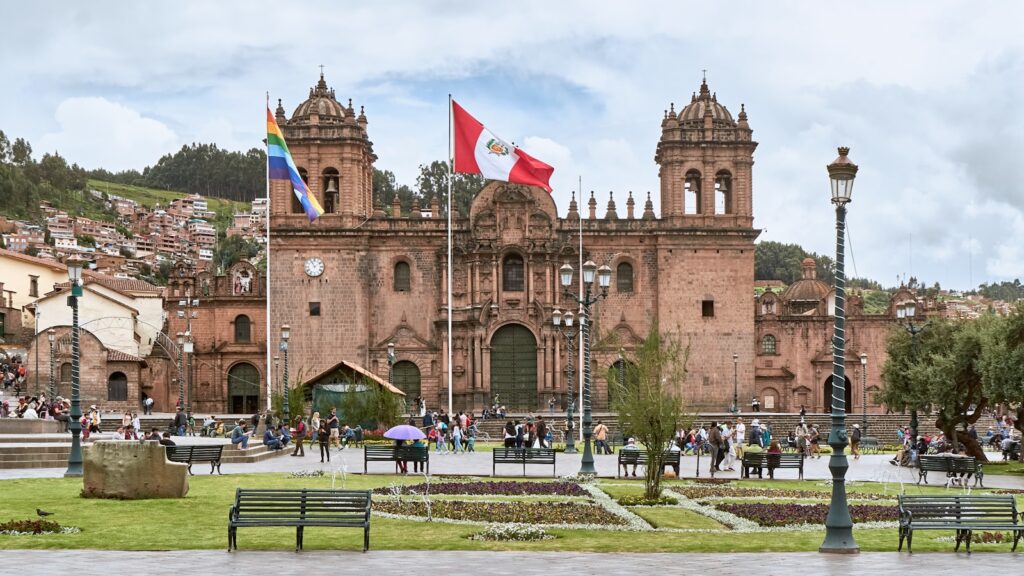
{"x": 542, "y": 432}
{"x": 300, "y": 437}
{"x": 334, "y": 426}
{"x": 323, "y": 437}
{"x": 715, "y": 442}
{"x": 510, "y": 434}
{"x": 601, "y": 438}
{"x": 855, "y": 442}
{"x": 180, "y": 422}
{"x": 456, "y": 437}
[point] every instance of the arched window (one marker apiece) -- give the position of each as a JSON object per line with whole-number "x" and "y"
{"x": 296, "y": 205}
{"x": 330, "y": 182}
{"x": 691, "y": 193}
{"x": 65, "y": 380}
{"x": 402, "y": 277}
{"x": 768, "y": 345}
{"x": 723, "y": 193}
{"x": 243, "y": 329}
{"x": 117, "y": 387}
{"x": 512, "y": 273}
{"x": 624, "y": 277}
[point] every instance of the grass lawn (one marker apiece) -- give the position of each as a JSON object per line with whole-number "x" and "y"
{"x": 673, "y": 517}
{"x": 199, "y": 521}
{"x": 997, "y": 467}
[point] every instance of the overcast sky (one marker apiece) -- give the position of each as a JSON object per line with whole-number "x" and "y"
{"x": 927, "y": 95}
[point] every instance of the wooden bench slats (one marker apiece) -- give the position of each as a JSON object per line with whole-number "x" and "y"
{"x": 962, "y": 513}
{"x": 772, "y": 461}
{"x": 951, "y": 465}
{"x": 196, "y": 453}
{"x": 395, "y": 454}
{"x": 524, "y": 456}
{"x": 301, "y": 509}
{"x": 640, "y": 458}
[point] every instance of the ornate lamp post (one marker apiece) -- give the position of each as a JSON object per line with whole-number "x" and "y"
{"x": 586, "y": 300}
{"x": 570, "y": 337}
{"x": 735, "y": 385}
{"x": 839, "y": 524}
{"x": 391, "y": 364}
{"x": 75, "y": 266}
{"x": 622, "y": 372}
{"x": 189, "y": 347}
{"x": 285, "y": 334}
{"x": 181, "y": 369}
{"x": 864, "y": 393}
{"x": 905, "y": 313}
{"x": 51, "y": 334}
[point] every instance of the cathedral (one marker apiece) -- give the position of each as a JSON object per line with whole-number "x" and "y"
{"x": 359, "y": 278}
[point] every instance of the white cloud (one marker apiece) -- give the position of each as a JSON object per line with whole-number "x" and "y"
{"x": 98, "y": 133}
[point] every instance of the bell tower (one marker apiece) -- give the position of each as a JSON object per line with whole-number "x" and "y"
{"x": 705, "y": 160}
{"x": 334, "y": 155}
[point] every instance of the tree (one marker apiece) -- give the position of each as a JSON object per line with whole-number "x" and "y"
{"x": 21, "y": 152}
{"x": 233, "y": 249}
{"x": 5, "y": 148}
{"x": 1002, "y": 365}
{"x": 648, "y": 402}
{"x": 370, "y": 405}
{"x": 433, "y": 181}
{"x": 384, "y": 189}
{"x": 943, "y": 376}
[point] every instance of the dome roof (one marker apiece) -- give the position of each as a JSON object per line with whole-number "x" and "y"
{"x": 808, "y": 288}
{"x": 694, "y": 111}
{"x": 321, "y": 102}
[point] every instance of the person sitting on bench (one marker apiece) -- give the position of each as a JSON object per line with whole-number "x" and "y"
{"x": 629, "y": 447}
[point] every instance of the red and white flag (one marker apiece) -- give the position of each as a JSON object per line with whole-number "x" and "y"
{"x": 479, "y": 151}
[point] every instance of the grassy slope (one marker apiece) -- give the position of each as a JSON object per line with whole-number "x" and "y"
{"x": 200, "y": 520}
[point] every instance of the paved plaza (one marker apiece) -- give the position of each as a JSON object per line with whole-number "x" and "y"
{"x": 21, "y": 562}
{"x": 874, "y": 468}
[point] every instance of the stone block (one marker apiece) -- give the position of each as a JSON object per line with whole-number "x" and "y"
{"x": 132, "y": 471}
{"x": 32, "y": 426}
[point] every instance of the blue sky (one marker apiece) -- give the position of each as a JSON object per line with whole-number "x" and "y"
{"x": 927, "y": 95}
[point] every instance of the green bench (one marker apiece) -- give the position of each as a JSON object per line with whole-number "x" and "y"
{"x": 640, "y": 457}
{"x": 771, "y": 462}
{"x": 964, "y": 514}
{"x": 952, "y": 466}
{"x": 300, "y": 509}
{"x": 420, "y": 454}
{"x": 196, "y": 453}
{"x": 523, "y": 456}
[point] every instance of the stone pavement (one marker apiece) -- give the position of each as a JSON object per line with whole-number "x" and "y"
{"x": 27, "y": 562}
{"x": 868, "y": 468}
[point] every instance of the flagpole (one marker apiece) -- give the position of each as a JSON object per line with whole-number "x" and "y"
{"x": 267, "y": 275}
{"x": 451, "y": 163}
{"x": 579, "y": 312}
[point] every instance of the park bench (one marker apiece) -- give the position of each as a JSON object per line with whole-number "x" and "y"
{"x": 196, "y": 453}
{"x": 524, "y": 456}
{"x": 964, "y": 514}
{"x": 396, "y": 454}
{"x": 762, "y": 460}
{"x": 300, "y": 508}
{"x": 639, "y": 458}
{"x": 951, "y": 465}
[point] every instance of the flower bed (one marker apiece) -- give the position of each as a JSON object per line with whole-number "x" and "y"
{"x": 512, "y": 533}
{"x": 641, "y": 500}
{"x": 789, "y": 514}
{"x": 705, "y": 492}
{"x": 29, "y": 527}
{"x": 482, "y": 488}
{"x": 517, "y": 512}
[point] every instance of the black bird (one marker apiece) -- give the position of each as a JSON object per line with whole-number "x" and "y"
{"x": 43, "y": 513}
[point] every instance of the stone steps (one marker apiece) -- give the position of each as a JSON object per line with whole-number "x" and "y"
{"x": 55, "y": 455}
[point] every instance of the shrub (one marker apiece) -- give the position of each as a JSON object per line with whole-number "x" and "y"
{"x": 503, "y": 488}
{"x": 788, "y": 514}
{"x": 29, "y": 527}
{"x": 512, "y": 533}
{"x": 641, "y": 500}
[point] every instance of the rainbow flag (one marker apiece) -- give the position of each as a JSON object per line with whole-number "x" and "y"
{"x": 280, "y": 166}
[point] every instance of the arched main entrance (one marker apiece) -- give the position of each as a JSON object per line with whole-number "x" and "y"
{"x": 407, "y": 379}
{"x": 514, "y": 368}
{"x": 243, "y": 388}
{"x": 827, "y": 395}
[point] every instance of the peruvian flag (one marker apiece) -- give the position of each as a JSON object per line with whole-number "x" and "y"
{"x": 479, "y": 151}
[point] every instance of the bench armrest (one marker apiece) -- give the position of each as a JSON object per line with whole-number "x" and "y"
{"x": 233, "y": 512}
{"x": 906, "y": 517}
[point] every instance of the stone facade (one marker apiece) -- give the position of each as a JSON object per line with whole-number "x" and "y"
{"x": 227, "y": 316}
{"x": 383, "y": 278}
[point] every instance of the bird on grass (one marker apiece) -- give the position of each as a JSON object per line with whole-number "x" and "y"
{"x": 43, "y": 513}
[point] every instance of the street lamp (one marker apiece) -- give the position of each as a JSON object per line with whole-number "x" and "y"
{"x": 735, "y": 384}
{"x": 75, "y": 266}
{"x": 905, "y": 313}
{"x": 285, "y": 334}
{"x": 51, "y": 334}
{"x": 604, "y": 278}
{"x": 864, "y": 393}
{"x": 181, "y": 370}
{"x": 557, "y": 318}
{"x": 839, "y": 524}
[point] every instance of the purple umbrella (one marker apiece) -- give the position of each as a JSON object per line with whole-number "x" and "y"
{"x": 404, "y": 432}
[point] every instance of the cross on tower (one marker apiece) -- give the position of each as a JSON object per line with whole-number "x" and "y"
{"x": 704, "y": 71}
{"x": 321, "y": 70}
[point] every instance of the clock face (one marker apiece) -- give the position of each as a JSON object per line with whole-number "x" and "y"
{"x": 314, "y": 267}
